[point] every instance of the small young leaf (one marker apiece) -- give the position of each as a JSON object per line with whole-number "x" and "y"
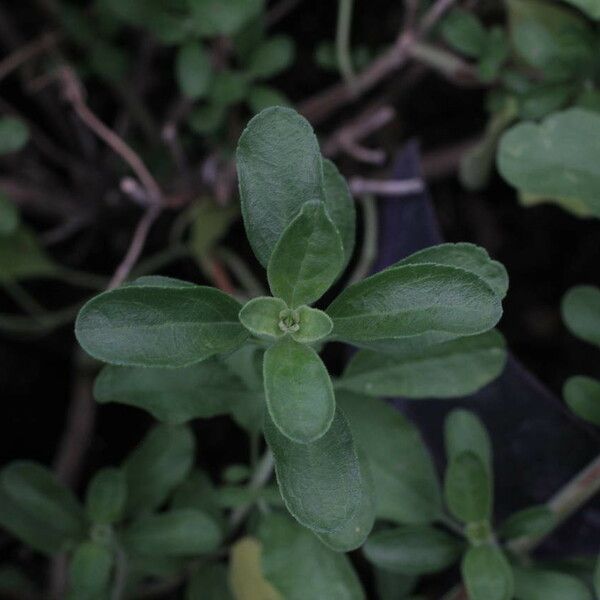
{"x": 582, "y": 394}
{"x": 411, "y": 300}
{"x": 538, "y": 584}
{"x": 469, "y": 257}
{"x": 13, "y": 135}
{"x": 261, "y": 97}
{"x": 298, "y": 389}
{"x": 208, "y": 582}
{"x": 90, "y": 570}
{"x": 279, "y": 169}
{"x": 445, "y": 370}
{"x": 487, "y": 574}
{"x": 404, "y": 478}
{"x": 159, "y": 464}
{"x": 581, "y": 312}
{"x": 307, "y": 258}
{"x": 106, "y": 496}
{"x": 193, "y": 70}
{"x": 9, "y": 216}
{"x": 463, "y": 32}
{"x": 271, "y": 57}
{"x": 307, "y": 474}
{"x": 465, "y": 432}
{"x": 413, "y": 550}
{"x": 468, "y": 488}
{"x": 261, "y": 317}
{"x": 301, "y": 567}
{"x": 532, "y": 521}
{"x": 314, "y": 325}
{"x": 152, "y": 326}
{"x": 246, "y": 578}
{"x": 175, "y": 396}
{"x": 182, "y": 532}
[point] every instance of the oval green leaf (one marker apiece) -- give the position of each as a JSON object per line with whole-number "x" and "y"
{"x": 90, "y": 570}
{"x": 465, "y": 432}
{"x": 193, "y": 70}
{"x": 314, "y": 325}
{"x": 261, "y": 316}
{"x": 532, "y": 521}
{"x": 538, "y": 584}
{"x": 487, "y": 574}
{"x": 581, "y": 312}
{"x": 582, "y": 394}
{"x": 106, "y": 496}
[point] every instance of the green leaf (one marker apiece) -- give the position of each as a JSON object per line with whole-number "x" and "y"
{"x": 553, "y": 161}
{"x": 271, "y": 57}
{"x": 469, "y": 257}
{"x": 208, "y": 582}
{"x": 198, "y": 491}
{"x": 445, "y": 370}
{"x": 404, "y": 478}
{"x": 314, "y": 325}
{"x": 464, "y": 432}
{"x": 207, "y": 119}
{"x": 410, "y": 300}
{"x": 228, "y": 87}
{"x": 582, "y": 394}
{"x": 90, "y": 570}
{"x": 182, "y": 532}
{"x": 392, "y": 586}
{"x": 13, "y": 135}
{"x": 236, "y": 473}
{"x": 106, "y": 496}
{"x": 495, "y": 52}
{"x": 538, "y": 584}
{"x": 37, "y": 509}
{"x": 532, "y": 521}
{"x": 193, "y": 70}
{"x": 307, "y": 474}
{"x": 340, "y": 206}
{"x": 301, "y": 567}
{"x": 261, "y": 97}
{"x": 279, "y": 169}
{"x": 157, "y": 466}
{"x": 307, "y": 258}
{"x": 152, "y": 326}
{"x": 214, "y": 17}
{"x": 202, "y": 390}
{"x": 464, "y": 32}
{"x": 413, "y": 550}
{"x": 262, "y": 316}
{"x": 543, "y": 99}
{"x": 298, "y": 389}
{"x": 581, "y": 312}
{"x": 487, "y": 574}
{"x": 21, "y": 257}
{"x": 590, "y": 7}
{"x": 9, "y": 216}
{"x": 468, "y": 488}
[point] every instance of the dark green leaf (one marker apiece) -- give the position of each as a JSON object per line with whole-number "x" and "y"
{"x": 208, "y": 582}
{"x": 265, "y": 96}
{"x": 174, "y": 396}
{"x": 413, "y": 550}
{"x": 581, "y": 312}
{"x": 38, "y": 510}
{"x": 21, "y": 256}
{"x": 411, "y": 300}
{"x": 237, "y": 473}
{"x": 193, "y": 70}
{"x": 404, "y": 479}
{"x": 537, "y": 584}
{"x": 298, "y": 389}
{"x": 307, "y": 258}
{"x": 463, "y": 32}
{"x": 159, "y": 464}
{"x": 590, "y": 7}
{"x": 182, "y": 532}
{"x": 314, "y": 325}
{"x": 320, "y": 482}
{"x": 9, "y": 216}
{"x": 301, "y": 567}
{"x": 455, "y": 368}
{"x": 106, "y": 496}
{"x": 280, "y": 169}
{"x": 544, "y": 99}
{"x": 271, "y": 57}
{"x": 553, "y": 161}
{"x": 495, "y": 52}
{"x": 90, "y": 570}
{"x": 215, "y": 17}
{"x": 532, "y": 521}
{"x": 393, "y": 586}
{"x": 582, "y": 394}
{"x": 468, "y": 488}
{"x": 228, "y": 87}
{"x": 487, "y": 574}
{"x": 207, "y": 119}
{"x": 261, "y": 317}
{"x": 198, "y": 491}
{"x": 464, "y": 432}
{"x": 159, "y": 327}
{"x": 13, "y": 135}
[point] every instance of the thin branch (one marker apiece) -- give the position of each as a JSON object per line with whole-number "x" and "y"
{"x": 369, "y": 245}
{"x": 342, "y": 41}
{"x": 392, "y": 187}
{"x": 27, "y": 52}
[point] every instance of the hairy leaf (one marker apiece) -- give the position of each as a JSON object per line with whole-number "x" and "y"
{"x": 261, "y": 317}
{"x": 314, "y": 325}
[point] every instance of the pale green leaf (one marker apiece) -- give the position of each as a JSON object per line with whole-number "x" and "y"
{"x": 193, "y": 70}
{"x": 13, "y": 135}
{"x": 261, "y": 317}
{"x": 538, "y": 584}
{"x": 413, "y": 550}
{"x": 320, "y": 482}
{"x": 404, "y": 479}
{"x": 307, "y": 258}
{"x": 581, "y": 312}
{"x": 106, "y": 496}
{"x": 152, "y": 326}
{"x": 450, "y": 369}
{"x": 90, "y": 570}
{"x": 487, "y": 574}
{"x": 582, "y": 394}
{"x": 271, "y": 57}
{"x": 314, "y": 325}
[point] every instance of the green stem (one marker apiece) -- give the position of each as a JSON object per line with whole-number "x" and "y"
{"x": 369, "y": 247}
{"x": 342, "y": 41}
